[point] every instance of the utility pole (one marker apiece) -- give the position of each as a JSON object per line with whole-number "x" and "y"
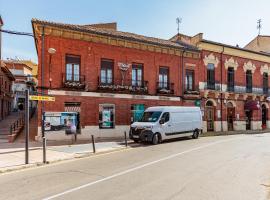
{"x": 1, "y": 24}
{"x": 26, "y": 130}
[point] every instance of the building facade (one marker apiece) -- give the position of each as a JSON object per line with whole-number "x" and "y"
{"x": 109, "y": 77}
{"x": 233, "y": 85}
{"x": 6, "y": 94}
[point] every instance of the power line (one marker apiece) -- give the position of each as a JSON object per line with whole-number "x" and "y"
{"x": 17, "y": 33}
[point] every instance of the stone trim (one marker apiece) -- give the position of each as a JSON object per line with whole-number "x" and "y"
{"x": 265, "y": 69}
{"x": 211, "y": 59}
{"x": 111, "y": 95}
{"x": 231, "y": 63}
{"x": 249, "y": 66}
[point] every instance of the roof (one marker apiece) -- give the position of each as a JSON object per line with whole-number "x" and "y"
{"x": 234, "y": 47}
{"x": 116, "y": 34}
{"x": 6, "y": 71}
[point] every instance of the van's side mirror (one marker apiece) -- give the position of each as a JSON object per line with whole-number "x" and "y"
{"x": 162, "y": 121}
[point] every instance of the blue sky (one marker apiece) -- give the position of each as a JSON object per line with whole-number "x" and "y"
{"x": 231, "y": 21}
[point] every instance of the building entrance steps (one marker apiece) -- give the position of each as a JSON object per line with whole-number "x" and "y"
{"x": 6, "y": 123}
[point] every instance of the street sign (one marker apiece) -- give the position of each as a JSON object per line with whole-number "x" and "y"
{"x": 41, "y": 98}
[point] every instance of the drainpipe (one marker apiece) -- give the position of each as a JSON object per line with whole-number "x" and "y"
{"x": 221, "y": 94}
{"x": 183, "y": 75}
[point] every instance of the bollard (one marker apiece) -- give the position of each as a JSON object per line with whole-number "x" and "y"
{"x": 126, "y": 139}
{"x": 93, "y": 143}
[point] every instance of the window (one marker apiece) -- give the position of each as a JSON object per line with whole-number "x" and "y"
{"x": 136, "y": 112}
{"x": 189, "y": 81}
{"x": 73, "y": 68}
{"x": 163, "y": 79}
{"x": 230, "y": 79}
{"x": 265, "y": 83}
{"x": 249, "y": 81}
{"x": 211, "y": 76}
{"x": 106, "y": 116}
{"x": 150, "y": 116}
{"x": 166, "y": 116}
{"x": 137, "y": 74}
{"x": 106, "y": 71}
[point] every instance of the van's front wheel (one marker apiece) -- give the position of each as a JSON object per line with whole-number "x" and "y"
{"x": 155, "y": 139}
{"x": 195, "y": 134}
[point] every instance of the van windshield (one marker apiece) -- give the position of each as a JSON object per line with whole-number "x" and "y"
{"x": 150, "y": 116}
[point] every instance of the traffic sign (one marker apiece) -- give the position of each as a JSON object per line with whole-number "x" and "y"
{"x": 41, "y": 98}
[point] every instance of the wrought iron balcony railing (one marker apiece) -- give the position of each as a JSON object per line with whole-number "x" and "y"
{"x": 165, "y": 88}
{"x": 73, "y": 81}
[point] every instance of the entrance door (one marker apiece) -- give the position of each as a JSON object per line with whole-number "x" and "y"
{"x": 210, "y": 113}
{"x": 230, "y": 116}
{"x": 248, "y": 119}
{"x": 264, "y": 116}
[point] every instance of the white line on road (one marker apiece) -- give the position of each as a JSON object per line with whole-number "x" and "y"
{"x": 136, "y": 168}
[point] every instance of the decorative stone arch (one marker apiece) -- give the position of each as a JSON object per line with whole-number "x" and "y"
{"x": 211, "y": 59}
{"x": 249, "y": 66}
{"x": 265, "y": 104}
{"x": 231, "y": 63}
{"x": 212, "y": 101}
{"x": 264, "y": 69}
{"x": 231, "y": 102}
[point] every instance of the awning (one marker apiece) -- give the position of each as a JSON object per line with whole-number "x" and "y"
{"x": 252, "y": 105}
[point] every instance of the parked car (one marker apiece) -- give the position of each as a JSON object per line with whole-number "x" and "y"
{"x": 167, "y": 122}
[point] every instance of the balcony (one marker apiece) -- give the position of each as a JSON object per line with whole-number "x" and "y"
{"x": 194, "y": 91}
{"x": 73, "y": 82}
{"x": 122, "y": 86}
{"x": 165, "y": 88}
{"x": 243, "y": 89}
{"x": 212, "y": 86}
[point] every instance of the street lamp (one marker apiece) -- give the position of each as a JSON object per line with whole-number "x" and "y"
{"x": 51, "y": 51}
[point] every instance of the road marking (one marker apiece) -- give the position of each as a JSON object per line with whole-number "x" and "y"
{"x": 137, "y": 168}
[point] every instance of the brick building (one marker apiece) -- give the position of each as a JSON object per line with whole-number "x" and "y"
{"x": 6, "y": 94}
{"x": 233, "y": 85}
{"x": 109, "y": 77}
{"x": 24, "y": 78}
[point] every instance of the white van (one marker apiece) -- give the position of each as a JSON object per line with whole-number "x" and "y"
{"x": 167, "y": 122}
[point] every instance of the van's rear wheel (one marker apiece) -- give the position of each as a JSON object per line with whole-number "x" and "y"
{"x": 195, "y": 134}
{"x": 155, "y": 139}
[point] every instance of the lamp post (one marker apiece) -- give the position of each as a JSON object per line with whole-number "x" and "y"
{"x": 51, "y": 51}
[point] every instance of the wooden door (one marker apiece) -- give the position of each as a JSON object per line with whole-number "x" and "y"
{"x": 210, "y": 118}
{"x": 230, "y": 118}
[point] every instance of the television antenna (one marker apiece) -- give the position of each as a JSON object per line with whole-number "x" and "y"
{"x": 259, "y": 26}
{"x": 178, "y": 22}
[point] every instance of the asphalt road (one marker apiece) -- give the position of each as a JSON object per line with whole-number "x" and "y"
{"x": 223, "y": 167}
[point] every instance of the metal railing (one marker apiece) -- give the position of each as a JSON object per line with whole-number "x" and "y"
{"x": 165, "y": 88}
{"x": 120, "y": 85}
{"x": 212, "y": 86}
{"x": 73, "y": 81}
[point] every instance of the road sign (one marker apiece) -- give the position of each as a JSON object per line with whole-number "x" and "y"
{"x": 41, "y": 98}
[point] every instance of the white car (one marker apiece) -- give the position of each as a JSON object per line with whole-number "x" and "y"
{"x": 167, "y": 122}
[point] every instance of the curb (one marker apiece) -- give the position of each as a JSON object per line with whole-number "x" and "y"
{"x": 75, "y": 156}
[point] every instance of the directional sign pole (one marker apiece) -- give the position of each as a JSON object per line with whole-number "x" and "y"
{"x": 26, "y": 130}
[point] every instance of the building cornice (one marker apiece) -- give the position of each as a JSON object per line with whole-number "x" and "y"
{"x": 111, "y": 40}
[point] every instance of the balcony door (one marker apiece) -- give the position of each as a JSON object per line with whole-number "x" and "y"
{"x": 163, "y": 78}
{"x": 106, "y": 72}
{"x": 230, "y": 79}
{"x": 73, "y": 68}
{"x": 249, "y": 81}
{"x": 137, "y": 75}
{"x": 211, "y": 76}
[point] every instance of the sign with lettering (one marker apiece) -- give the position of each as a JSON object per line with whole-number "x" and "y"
{"x": 41, "y": 98}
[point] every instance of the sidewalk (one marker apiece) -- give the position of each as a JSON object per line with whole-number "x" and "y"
{"x": 14, "y": 158}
